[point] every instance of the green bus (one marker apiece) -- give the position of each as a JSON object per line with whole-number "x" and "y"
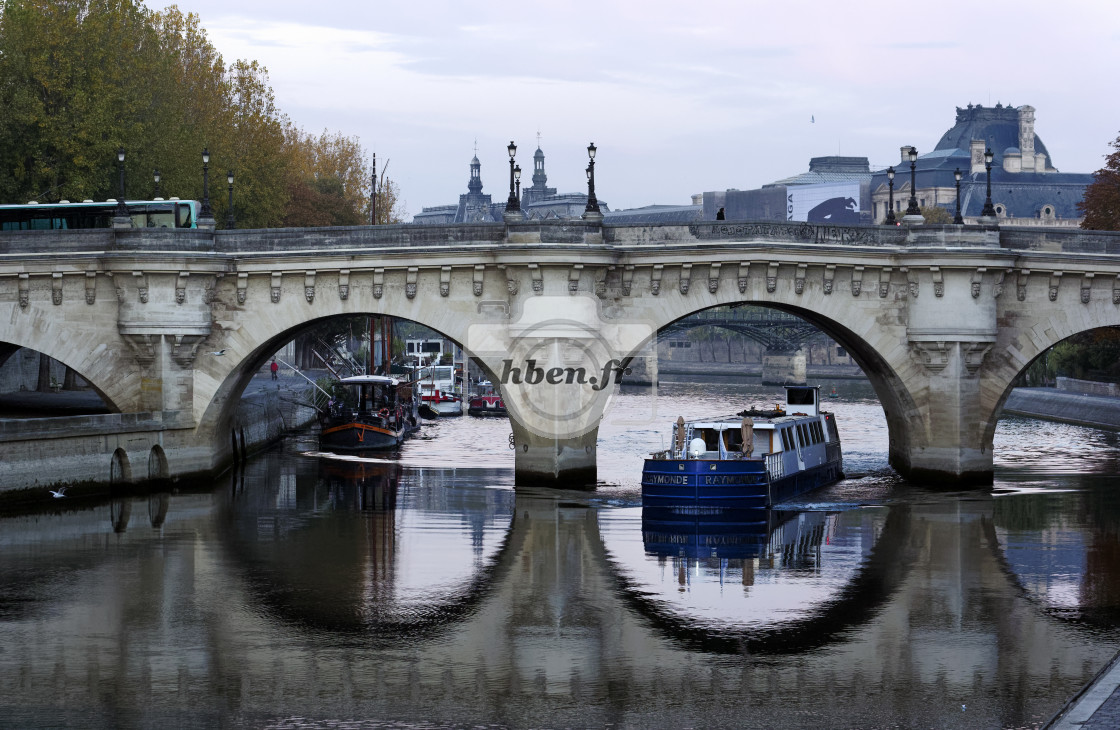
{"x": 64, "y": 215}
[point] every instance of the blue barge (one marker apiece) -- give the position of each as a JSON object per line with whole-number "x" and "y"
{"x": 752, "y": 460}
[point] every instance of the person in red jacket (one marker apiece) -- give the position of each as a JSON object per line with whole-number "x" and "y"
{"x": 274, "y": 368}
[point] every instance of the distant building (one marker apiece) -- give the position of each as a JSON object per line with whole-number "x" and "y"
{"x": 834, "y": 190}
{"x": 1027, "y": 190}
{"x": 538, "y": 201}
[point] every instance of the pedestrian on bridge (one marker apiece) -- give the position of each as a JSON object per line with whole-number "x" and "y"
{"x": 274, "y": 368}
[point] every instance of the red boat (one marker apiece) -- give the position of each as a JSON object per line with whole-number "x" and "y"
{"x": 487, "y": 405}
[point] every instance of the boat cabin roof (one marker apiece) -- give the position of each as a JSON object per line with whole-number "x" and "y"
{"x": 723, "y": 423}
{"x": 369, "y": 380}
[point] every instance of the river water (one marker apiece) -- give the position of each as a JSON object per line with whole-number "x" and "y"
{"x": 420, "y": 590}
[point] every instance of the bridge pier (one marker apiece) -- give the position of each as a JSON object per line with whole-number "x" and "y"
{"x": 557, "y": 462}
{"x": 945, "y": 444}
{"x": 783, "y": 367}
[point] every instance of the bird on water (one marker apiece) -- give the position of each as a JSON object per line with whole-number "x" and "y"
{"x": 60, "y": 493}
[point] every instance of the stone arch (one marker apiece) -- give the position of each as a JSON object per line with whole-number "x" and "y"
{"x": 246, "y": 352}
{"x": 75, "y": 360}
{"x": 157, "y": 464}
{"x": 1005, "y": 374}
{"x": 875, "y": 343}
{"x": 120, "y": 471}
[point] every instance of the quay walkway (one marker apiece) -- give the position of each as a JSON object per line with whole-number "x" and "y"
{"x": 1096, "y": 706}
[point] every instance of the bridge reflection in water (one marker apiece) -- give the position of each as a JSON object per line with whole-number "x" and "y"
{"x": 334, "y": 590}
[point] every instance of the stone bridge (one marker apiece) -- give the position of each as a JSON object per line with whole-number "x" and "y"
{"x": 942, "y": 319}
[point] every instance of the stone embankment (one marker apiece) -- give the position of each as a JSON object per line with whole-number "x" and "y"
{"x": 1080, "y": 402}
{"x": 67, "y": 437}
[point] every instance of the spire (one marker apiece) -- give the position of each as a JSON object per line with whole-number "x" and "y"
{"x": 475, "y": 184}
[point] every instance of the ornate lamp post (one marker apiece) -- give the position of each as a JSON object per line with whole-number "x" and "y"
{"x": 958, "y": 219}
{"x": 156, "y": 176}
{"x": 373, "y": 197}
{"x": 513, "y": 205}
{"x": 517, "y": 179}
{"x": 890, "y": 192}
{"x": 591, "y": 212}
{"x": 122, "y": 210}
{"x": 989, "y": 210}
{"x": 912, "y": 207}
{"x": 230, "y": 222}
{"x": 205, "y": 212}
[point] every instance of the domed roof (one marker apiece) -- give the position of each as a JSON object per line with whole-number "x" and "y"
{"x": 997, "y": 126}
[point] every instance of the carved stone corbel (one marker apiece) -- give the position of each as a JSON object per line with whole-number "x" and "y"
{"x": 91, "y": 287}
{"x": 938, "y": 281}
{"x": 884, "y": 282}
{"x": 771, "y": 277}
{"x": 184, "y": 348}
{"x": 799, "y": 278}
{"x": 479, "y": 277}
{"x": 309, "y": 286}
{"x": 1116, "y": 290}
{"x": 997, "y": 287}
{"x": 538, "y": 278}
{"x": 24, "y": 291}
{"x": 655, "y": 279}
{"x": 141, "y": 285}
{"x": 829, "y": 278}
{"x": 1021, "y": 284}
{"x": 181, "y": 287}
{"x": 713, "y": 278}
{"x": 378, "y": 283}
{"x": 1055, "y": 282}
{"x": 56, "y": 288}
{"x": 857, "y": 280}
{"x": 573, "y": 278}
{"x": 242, "y": 287}
{"x": 973, "y": 354}
{"x": 977, "y": 279}
{"x": 686, "y": 278}
{"x": 344, "y": 284}
{"x": 274, "y": 292}
{"x": 444, "y": 281}
{"x": 1087, "y": 287}
{"x": 744, "y": 276}
{"x": 410, "y": 281}
{"x": 143, "y": 346}
{"x": 118, "y": 281}
{"x": 628, "y": 280}
{"x": 601, "y": 284}
{"x": 933, "y": 355}
{"x": 911, "y": 284}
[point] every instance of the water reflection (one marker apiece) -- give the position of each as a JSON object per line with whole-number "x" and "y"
{"x": 353, "y": 546}
{"x": 328, "y": 590}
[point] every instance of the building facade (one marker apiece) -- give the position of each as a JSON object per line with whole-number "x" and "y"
{"x": 1027, "y": 190}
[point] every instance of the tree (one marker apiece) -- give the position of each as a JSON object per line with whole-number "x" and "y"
{"x": 936, "y": 215}
{"x": 1101, "y": 202}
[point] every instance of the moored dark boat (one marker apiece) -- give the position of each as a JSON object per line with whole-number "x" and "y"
{"x": 366, "y": 414}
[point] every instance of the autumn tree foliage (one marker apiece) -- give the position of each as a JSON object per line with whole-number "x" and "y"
{"x": 1101, "y": 204}
{"x": 78, "y": 78}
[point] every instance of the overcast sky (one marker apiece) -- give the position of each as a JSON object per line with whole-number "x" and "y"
{"x": 678, "y": 97}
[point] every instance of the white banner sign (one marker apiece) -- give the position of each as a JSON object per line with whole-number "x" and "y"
{"x": 831, "y": 203}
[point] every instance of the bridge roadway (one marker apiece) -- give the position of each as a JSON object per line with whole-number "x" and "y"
{"x": 170, "y": 325}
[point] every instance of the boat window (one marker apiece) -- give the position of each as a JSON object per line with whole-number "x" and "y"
{"x": 711, "y": 439}
{"x": 732, "y": 440}
{"x": 787, "y": 440}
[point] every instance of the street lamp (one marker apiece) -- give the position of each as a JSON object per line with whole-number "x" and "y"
{"x": 912, "y": 207}
{"x": 230, "y": 223}
{"x": 122, "y": 210}
{"x": 989, "y": 211}
{"x": 890, "y": 191}
{"x": 205, "y": 211}
{"x": 592, "y": 210}
{"x": 517, "y": 179}
{"x": 513, "y": 205}
{"x": 957, "y": 219}
{"x": 156, "y": 176}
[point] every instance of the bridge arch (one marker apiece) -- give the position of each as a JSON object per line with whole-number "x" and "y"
{"x": 875, "y": 343}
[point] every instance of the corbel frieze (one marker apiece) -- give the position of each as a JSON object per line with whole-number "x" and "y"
{"x": 713, "y": 278}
